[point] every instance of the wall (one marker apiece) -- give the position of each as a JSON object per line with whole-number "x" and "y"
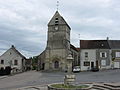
{"x": 91, "y": 58}
{"x": 10, "y": 55}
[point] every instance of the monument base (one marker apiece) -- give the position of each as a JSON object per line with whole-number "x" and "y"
{"x": 69, "y": 79}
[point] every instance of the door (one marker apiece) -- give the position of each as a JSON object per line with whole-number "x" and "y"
{"x": 56, "y": 64}
{"x": 97, "y": 64}
{"x": 116, "y": 65}
{"x": 92, "y": 64}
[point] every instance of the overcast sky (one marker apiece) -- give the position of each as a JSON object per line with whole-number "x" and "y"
{"x": 23, "y": 23}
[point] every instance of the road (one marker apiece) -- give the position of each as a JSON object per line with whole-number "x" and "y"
{"x": 32, "y": 78}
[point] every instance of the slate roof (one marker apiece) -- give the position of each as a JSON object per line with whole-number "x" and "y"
{"x": 114, "y": 44}
{"x": 94, "y": 44}
{"x": 73, "y": 47}
{"x": 13, "y": 48}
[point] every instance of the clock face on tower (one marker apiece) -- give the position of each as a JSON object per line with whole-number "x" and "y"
{"x": 56, "y": 27}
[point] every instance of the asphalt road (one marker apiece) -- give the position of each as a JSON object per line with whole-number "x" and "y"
{"x": 32, "y": 78}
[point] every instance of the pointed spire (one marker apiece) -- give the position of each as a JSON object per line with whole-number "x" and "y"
{"x": 59, "y": 18}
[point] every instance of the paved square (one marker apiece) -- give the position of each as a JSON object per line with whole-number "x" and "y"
{"x": 34, "y": 78}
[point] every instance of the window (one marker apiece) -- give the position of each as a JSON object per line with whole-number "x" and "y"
{"x": 103, "y": 62}
{"x": 86, "y": 63}
{"x": 2, "y": 61}
{"x": 86, "y": 54}
{"x": 56, "y": 21}
{"x": 117, "y": 54}
{"x": 15, "y": 62}
{"x": 10, "y": 53}
{"x": 103, "y": 54}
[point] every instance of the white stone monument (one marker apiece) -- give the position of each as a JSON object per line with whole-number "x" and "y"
{"x": 69, "y": 78}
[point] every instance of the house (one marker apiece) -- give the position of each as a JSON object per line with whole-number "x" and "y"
{"x": 115, "y": 53}
{"x": 95, "y": 53}
{"x": 13, "y": 58}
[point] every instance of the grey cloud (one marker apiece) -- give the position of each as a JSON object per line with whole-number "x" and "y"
{"x": 24, "y": 22}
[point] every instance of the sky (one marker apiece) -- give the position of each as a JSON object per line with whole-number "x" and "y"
{"x": 23, "y": 23}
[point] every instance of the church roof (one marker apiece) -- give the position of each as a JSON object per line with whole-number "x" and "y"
{"x": 60, "y": 18}
{"x": 74, "y": 48}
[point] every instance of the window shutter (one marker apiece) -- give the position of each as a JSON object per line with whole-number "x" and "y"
{"x": 105, "y": 54}
{"x": 100, "y": 54}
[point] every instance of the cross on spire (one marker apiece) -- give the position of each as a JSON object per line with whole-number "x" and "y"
{"x": 57, "y": 5}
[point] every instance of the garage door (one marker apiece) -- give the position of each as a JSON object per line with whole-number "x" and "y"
{"x": 116, "y": 65}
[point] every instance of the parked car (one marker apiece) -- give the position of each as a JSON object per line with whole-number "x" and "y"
{"x": 95, "y": 69}
{"x": 76, "y": 69}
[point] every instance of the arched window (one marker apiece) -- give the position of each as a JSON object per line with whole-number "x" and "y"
{"x": 56, "y": 64}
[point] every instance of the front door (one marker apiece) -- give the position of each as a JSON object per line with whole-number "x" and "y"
{"x": 56, "y": 64}
{"x": 97, "y": 64}
{"x": 92, "y": 64}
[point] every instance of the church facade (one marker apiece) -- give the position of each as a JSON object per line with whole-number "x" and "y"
{"x": 58, "y": 45}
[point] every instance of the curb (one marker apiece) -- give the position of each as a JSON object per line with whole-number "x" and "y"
{"x": 2, "y": 77}
{"x": 38, "y": 87}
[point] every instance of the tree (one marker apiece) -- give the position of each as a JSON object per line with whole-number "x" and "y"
{"x": 34, "y": 62}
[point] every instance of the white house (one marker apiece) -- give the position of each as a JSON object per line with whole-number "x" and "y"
{"x": 13, "y": 58}
{"x": 95, "y": 53}
{"x": 88, "y": 59}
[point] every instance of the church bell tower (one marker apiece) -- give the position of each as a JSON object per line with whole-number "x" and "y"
{"x": 58, "y": 43}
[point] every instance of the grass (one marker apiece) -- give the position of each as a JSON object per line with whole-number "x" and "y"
{"x": 68, "y": 86}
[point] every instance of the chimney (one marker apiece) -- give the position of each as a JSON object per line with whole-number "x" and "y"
{"x": 12, "y": 46}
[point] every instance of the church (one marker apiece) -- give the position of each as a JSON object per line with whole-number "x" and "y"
{"x": 58, "y": 46}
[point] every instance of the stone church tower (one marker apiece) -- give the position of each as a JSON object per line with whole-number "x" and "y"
{"x": 58, "y": 43}
{"x": 58, "y": 46}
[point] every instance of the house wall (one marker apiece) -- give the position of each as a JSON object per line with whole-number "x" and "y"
{"x": 10, "y": 56}
{"x": 115, "y": 60}
{"x": 91, "y": 58}
{"x": 107, "y": 58}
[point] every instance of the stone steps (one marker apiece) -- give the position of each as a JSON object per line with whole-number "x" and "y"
{"x": 100, "y": 87}
{"x": 114, "y": 85}
{"x": 106, "y": 86}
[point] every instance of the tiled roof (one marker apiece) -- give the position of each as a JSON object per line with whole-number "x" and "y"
{"x": 94, "y": 44}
